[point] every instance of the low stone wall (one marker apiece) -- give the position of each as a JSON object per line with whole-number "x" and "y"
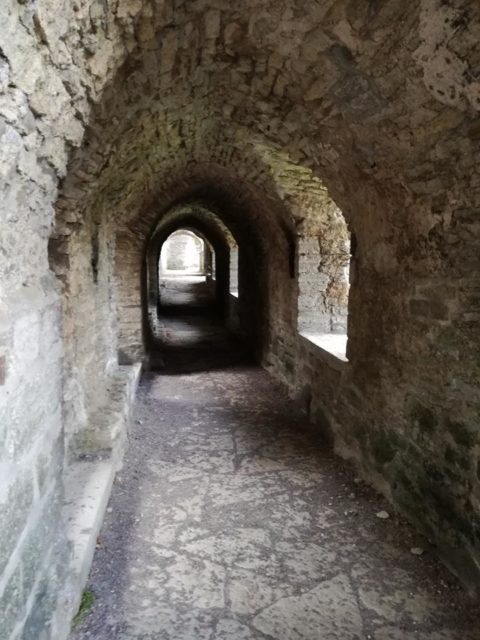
{"x": 52, "y": 512}
{"x": 32, "y": 547}
{"x": 418, "y": 458}
{"x": 88, "y": 482}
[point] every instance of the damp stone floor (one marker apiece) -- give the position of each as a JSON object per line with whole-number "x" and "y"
{"x": 231, "y": 520}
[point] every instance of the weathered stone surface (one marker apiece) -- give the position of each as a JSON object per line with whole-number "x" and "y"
{"x": 271, "y": 117}
{"x": 327, "y": 610}
{"x": 195, "y": 547}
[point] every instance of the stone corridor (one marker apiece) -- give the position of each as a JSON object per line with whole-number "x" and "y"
{"x": 231, "y": 520}
{"x": 313, "y": 169}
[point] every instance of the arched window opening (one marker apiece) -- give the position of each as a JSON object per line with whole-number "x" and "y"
{"x": 324, "y": 283}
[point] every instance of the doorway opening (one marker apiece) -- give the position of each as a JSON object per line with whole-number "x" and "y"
{"x": 185, "y": 265}
{"x": 185, "y": 253}
{"x": 188, "y": 267}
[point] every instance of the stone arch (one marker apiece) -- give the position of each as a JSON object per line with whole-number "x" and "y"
{"x": 238, "y": 181}
{"x": 362, "y": 101}
{"x": 202, "y": 222}
{"x": 183, "y": 251}
{"x": 328, "y": 122}
{"x": 245, "y": 211}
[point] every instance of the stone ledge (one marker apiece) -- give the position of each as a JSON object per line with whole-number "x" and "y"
{"x": 88, "y": 482}
{"x": 108, "y": 425}
{"x": 330, "y": 347}
{"x": 87, "y": 489}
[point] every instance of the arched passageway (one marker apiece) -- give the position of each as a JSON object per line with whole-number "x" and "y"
{"x": 186, "y": 275}
{"x": 187, "y": 288}
{"x": 185, "y": 253}
{"x": 185, "y": 278}
{"x": 229, "y": 299}
{"x": 276, "y": 133}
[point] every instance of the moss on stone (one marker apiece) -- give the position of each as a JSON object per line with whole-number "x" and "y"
{"x": 86, "y": 603}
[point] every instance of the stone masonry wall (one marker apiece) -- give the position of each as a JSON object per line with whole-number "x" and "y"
{"x": 377, "y": 108}
{"x": 323, "y": 285}
{"x": 54, "y": 59}
{"x": 112, "y": 112}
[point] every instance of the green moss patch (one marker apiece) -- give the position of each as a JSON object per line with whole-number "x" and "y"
{"x": 86, "y": 603}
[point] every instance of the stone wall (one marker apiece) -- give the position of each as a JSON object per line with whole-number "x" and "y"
{"x": 112, "y": 113}
{"x": 55, "y": 58}
{"x": 323, "y": 284}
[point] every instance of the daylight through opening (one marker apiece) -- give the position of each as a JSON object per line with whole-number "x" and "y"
{"x": 324, "y": 277}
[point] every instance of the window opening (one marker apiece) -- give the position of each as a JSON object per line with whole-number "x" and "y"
{"x": 324, "y": 283}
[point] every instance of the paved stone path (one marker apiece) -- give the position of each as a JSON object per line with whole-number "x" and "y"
{"x": 185, "y": 294}
{"x": 231, "y": 520}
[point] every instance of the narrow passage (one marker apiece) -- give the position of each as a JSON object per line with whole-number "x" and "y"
{"x": 231, "y": 520}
